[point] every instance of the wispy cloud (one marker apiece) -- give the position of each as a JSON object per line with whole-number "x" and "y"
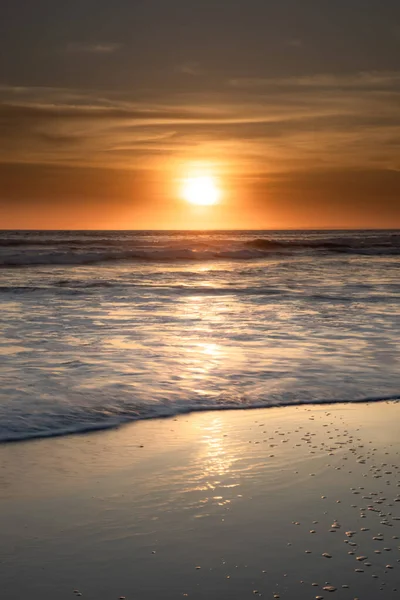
{"x": 97, "y": 48}
{"x": 295, "y": 43}
{"x": 188, "y": 68}
{"x": 271, "y": 125}
{"x": 367, "y": 79}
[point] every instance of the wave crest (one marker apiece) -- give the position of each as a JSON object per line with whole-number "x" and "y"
{"x": 92, "y": 251}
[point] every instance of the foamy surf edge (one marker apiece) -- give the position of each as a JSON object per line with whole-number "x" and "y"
{"x": 163, "y": 412}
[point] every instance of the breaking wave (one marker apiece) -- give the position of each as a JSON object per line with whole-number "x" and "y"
{"x": 20, "y": 253}
{"x": 88, "y": 258}
{"x": 75, "y": 419}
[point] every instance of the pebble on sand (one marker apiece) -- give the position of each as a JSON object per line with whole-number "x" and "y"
{"x": 329, "y": 588}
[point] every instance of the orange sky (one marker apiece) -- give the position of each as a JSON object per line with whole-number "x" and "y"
{"x": 54, "y": 197}
{"x": 293, "y": 109}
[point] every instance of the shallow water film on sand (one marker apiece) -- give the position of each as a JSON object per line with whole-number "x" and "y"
{"x": 101, "y": 328}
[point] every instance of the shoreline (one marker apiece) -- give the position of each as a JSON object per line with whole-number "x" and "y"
{"x": 96, "y": 428}
{"x": 215, "y": 504}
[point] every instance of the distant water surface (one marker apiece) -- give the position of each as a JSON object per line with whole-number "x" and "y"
{"x": 100, "y": 328}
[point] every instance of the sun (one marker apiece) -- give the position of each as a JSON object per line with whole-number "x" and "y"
{"x": 202, "y": 190}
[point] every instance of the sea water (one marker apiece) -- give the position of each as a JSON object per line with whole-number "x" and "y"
{"x": 101, "y": 328}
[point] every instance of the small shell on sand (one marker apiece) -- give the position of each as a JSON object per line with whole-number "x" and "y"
{"x": 326, "y": 555}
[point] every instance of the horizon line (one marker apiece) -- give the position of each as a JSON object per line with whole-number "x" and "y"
{"x": 211, "y": 229}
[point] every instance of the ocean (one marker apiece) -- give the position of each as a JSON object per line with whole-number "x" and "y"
{"x": 99, "y": 328}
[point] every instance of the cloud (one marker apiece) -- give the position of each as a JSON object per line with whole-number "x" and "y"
{"x": 364, "y": 80}
{"x": 295, "y": 43}
{"x": 98, "y": 48}
{"x": 188, "y": 68}
{"x": 255, "y": 125}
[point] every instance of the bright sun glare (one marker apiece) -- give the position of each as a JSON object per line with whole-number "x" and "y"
{"x": 202, "y": 191}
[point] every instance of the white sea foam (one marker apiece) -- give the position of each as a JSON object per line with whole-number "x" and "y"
{"x": 81, "y": 419}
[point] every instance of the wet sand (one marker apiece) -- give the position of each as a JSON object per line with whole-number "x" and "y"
{"x": 299, "y": 502}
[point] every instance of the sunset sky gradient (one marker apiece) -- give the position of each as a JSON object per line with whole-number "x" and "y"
{"x": 105, "y": 107}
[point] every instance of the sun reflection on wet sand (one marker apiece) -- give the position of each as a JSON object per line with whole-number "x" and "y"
{"x": 214, "y": 476}
{"x": 217, "y": 461}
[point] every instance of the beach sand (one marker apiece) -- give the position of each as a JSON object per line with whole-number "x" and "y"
{"x": 223, "y": 504}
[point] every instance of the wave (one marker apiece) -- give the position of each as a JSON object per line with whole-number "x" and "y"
{"x": 387, "y": 244}
{"x": 68, "y": 243}
{"x": 89, "y": 258}
{"x": 81, "y": 420}
{"x": 78, "y": 288}
{"x": 249, "y": 250}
